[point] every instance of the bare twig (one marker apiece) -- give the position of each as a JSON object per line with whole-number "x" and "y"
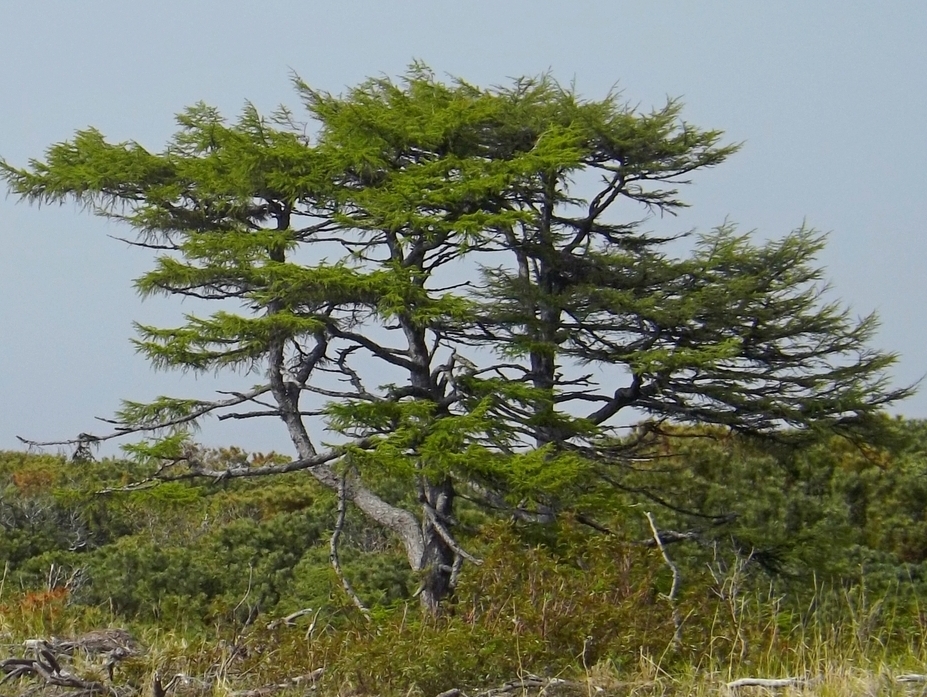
{"x": 199, "y": 470}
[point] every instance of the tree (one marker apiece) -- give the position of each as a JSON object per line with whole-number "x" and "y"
{"x": 450, "y": 279}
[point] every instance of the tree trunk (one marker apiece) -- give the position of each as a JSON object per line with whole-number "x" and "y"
{"x": 439, "y": 558}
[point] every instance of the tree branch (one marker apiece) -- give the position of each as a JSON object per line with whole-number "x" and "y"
{"x": 674, "y": 589}
{"x": 333, "y": 549}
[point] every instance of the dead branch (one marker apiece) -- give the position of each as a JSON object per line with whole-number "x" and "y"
{"x": 290, "y": 620}
{"x": 911, "y": 677}
{"x": 159, "y": 689}
{"x": 668, "y": 537}
{"x": 61, "y": 678}
{"x": 15, "y": 668}
{"x": 333, "y": 547}
{"x": 674, "y": 589}
{"x": 115, "y": 644}
{"x": 45, "y": 666}
{"x": 489, "y": 498}
{"x": 770, "y": 683}
{"x": 309, "y": 681}
{"x": 523, "y": 685}
{"x": 445, "y": 535}
{"x": 199, "y": 470}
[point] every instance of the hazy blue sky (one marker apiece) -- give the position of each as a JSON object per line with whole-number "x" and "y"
{"x": 830, "y": 99}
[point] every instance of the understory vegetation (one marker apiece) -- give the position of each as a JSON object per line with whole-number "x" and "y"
{"x": 774, "y": 561}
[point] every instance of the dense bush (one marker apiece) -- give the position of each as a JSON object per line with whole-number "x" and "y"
{"x": 830, "y": 510}
{"x": 191, "y": 551}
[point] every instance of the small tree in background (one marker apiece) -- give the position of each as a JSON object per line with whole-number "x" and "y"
{"x": 451, "y": 280}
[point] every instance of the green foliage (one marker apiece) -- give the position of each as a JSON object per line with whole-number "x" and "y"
{"x": 411, "y": 176}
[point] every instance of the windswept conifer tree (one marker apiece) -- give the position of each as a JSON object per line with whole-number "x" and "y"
{"x": 451, "y": 280}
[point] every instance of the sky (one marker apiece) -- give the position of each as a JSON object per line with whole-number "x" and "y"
{"x": 828, "y": 98}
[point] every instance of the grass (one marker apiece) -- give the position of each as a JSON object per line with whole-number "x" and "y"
{"x": 599, "y": 628}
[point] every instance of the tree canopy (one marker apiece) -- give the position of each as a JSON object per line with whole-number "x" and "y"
{"x": 455, "y": 287}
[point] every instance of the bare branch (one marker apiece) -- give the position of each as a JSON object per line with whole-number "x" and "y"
{"x": 333, "y": 548}
{"x": 199, "y": 470}
{"x": 124, "y": 430}
{"x": 674, "y": 589}
{"x": 447, "y": 537}
{"x": 269, "y": 412}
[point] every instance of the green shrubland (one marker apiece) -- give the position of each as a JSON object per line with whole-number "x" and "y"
{"x": 792, "y": 560}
